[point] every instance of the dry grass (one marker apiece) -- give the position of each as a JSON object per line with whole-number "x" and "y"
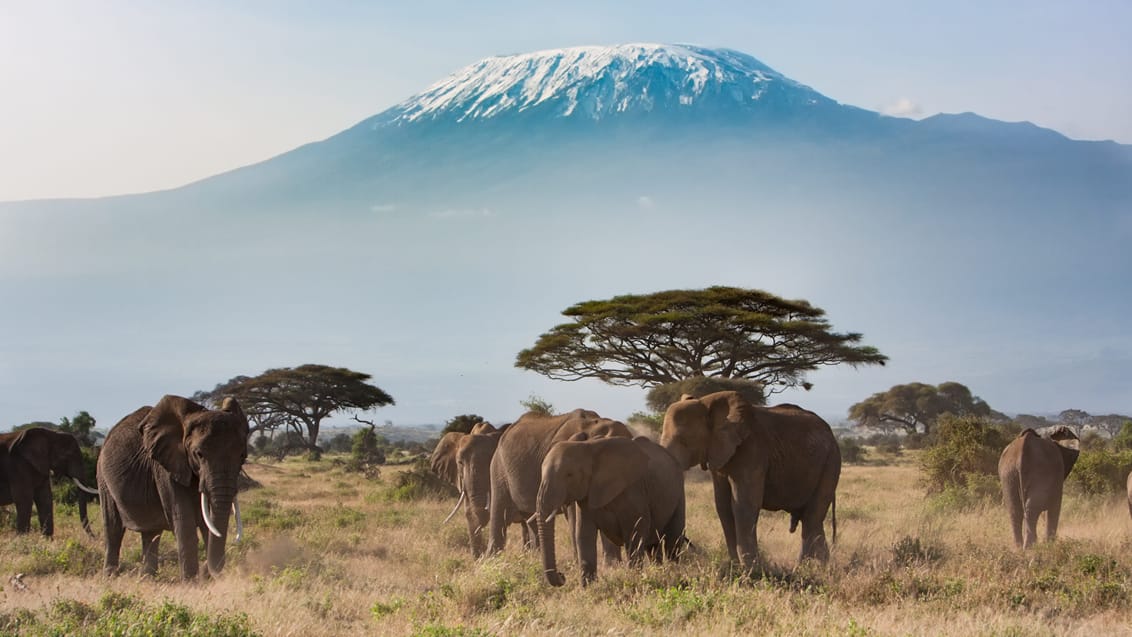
{"x": 328, "y": 552}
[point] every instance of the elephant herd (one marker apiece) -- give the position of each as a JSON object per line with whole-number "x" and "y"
{"x": 629, "y": 492}
{"x": 174, "y": 467}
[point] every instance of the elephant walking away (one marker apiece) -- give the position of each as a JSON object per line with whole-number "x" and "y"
{"x": 632, "y": 491}
{"x": 27, "y": 460}
{"x": 780, "y": 458}
{"x": 1033, "y": 469}
{"x": 173, "y": 467}
{"x": 516, "y": 467}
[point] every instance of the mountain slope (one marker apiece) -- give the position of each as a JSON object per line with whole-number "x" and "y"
{"x": 430, "y": 243}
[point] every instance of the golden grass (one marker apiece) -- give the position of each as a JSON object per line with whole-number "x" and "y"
{"x": 327, "y": 553}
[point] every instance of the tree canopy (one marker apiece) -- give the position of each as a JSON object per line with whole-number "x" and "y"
{"x": 299, "y": 397}
{"x": 81, "y": 427}
{"x": 718, "y": 332}
{"x": 917, "y": 406}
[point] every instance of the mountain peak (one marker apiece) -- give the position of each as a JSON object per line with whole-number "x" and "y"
{"x": 598, "y": 82}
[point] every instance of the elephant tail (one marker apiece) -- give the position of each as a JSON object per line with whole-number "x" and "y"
{"x": 833, "y": 517}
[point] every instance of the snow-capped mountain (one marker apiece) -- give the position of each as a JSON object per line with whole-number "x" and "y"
{"x": 431, "y": 242}
{"x": 597, "y": 82}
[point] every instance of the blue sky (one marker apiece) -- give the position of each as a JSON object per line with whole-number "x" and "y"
{"x": 117, "y": 97}
{"x": 114, "y": 97}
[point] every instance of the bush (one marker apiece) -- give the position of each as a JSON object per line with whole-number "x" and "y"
{"x": 367, "y": 448}
{"x": 963, "y": 445}
{"x": 420, "y": 482}
{"x": 462, "y": 423}
{"x": 1101, "y": 471}
{"x": 851, "y": 450}
{"x": 653, "y": 422}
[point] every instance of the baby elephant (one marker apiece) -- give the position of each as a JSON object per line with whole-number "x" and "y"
{"x": 630, "y": 490}
{"x": 1033, "y": 469}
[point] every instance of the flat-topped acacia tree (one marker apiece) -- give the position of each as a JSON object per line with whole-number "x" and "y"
{"x": 299, "y": 397}
{"x": 722, "y": 332}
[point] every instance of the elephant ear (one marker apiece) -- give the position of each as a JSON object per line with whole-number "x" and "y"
{"x": 443, "y": 460}
{"x": 618, "y": 464}
{"x": 163, "y": 435}
{"x": 729, "y": 414}
{"x": 232, "y": 406}
{"x": 34, "y": 446}
{"x": 483, "y": 428}
{"x": 1068, "y": 444}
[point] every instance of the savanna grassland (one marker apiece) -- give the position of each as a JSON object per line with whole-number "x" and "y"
{"x": 330, "y": 552}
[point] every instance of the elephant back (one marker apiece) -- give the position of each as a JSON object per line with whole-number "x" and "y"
{"x": 523, "y": 446}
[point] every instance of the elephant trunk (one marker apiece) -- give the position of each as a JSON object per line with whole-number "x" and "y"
{"x": 480, "y": 485}
{"x": 216, "y": 507}
{"x": 550, "y": 499}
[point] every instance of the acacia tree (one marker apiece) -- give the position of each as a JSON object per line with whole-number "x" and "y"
{"x": 917, "y": 406}
{"x": 299, "y": 397}
{"x": 719, "y": 332}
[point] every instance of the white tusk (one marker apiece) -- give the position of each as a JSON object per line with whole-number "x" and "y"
{"x": 82, "y": 486}
{"x": 533, "y": 518}
{"x": 239, "y": 521}
{"x": 207, "y": 515}
{"x": 463, "y": 494}
{"x": 550, "y": 518}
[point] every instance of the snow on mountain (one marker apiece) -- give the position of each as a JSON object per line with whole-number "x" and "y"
{"x": 597, "y": 82}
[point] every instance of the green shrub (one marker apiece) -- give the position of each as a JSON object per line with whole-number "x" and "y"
{"x": 420, "y": 482}
{"x": 851, "y": 451}
{"x": 963, "y": 445}
{"x": 1101, "y": 471}
{"x": 911, "y": 550}
{"x": 117, "y": 614}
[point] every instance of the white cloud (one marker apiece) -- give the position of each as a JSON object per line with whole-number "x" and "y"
{"x": 383, "y": 207}
{"x": 645, "y": 202}
{"x": 464, "y": 213}
{"x": 903, "y": 107}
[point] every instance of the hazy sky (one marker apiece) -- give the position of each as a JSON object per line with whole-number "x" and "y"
{"x": 112, "y": 97}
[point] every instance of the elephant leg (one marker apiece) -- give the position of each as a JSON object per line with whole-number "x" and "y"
{"x": 673, "y": 533}
{"x": 23, "y": 502}
{"x": 114, "y": 529}
{"x": 1013, "y": 500}
{"x": 1053, "y": 515}
{"x": 610, "y": 551}
{"x": 150, "y": 541}
{"x": 45, "y": 509}
{"x": 746, "y": 502}
{"x": 498, "y": 519}
{"x": 185, "y": 533}
{"x": 587, "y": 546}
{"x": 813, "y": 537}
{"x": 726, "y": 515}
{"x": 1030, "y": 512}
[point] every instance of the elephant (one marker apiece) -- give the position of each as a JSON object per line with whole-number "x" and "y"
{"x": 27, "y": 460}
{"x": 516, "y": 467}
{"x": 467, "y": 459}
{"x": 173, "y": 467}
{"x": 631, "y": 490}
{"x": 1033, "y": 469}
{"x": 781, "y": 458}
